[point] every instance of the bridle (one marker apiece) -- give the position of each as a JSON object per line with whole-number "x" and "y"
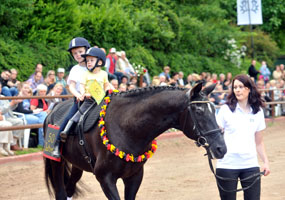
{"x": 202, "y": 141}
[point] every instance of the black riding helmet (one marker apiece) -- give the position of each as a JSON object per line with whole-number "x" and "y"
{"x": 78, "y": 42}
{"x": 98, "y": 53}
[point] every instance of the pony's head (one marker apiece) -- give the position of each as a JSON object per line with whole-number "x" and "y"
{"x": 199, "y": 121}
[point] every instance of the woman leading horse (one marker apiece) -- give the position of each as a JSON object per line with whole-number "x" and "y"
{"x": 131, "y": 122}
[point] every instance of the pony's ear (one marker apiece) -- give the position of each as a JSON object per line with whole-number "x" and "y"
{"x": 209, "y": 89}
{"x": 195, "y": 90}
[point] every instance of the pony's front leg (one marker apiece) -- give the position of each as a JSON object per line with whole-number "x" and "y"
{"x": 75, "y": 176}
{"x": 132, "y": 185}
{"x": 108, "y": 185}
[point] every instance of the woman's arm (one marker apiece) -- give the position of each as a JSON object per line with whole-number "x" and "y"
{"x": 261, "y": 152}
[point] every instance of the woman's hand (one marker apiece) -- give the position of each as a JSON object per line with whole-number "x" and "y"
{"x": 266, "y": 169}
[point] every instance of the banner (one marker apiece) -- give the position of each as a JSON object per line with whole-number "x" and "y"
{"x": 249, "y": 12}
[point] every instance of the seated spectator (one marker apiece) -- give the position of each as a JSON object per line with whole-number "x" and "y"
{"x": 50, "y": 80}
{"x": 125, "y": 80}
{"x": 166, "y": 73}
{"x": 156, "y": 81}
{"x": 196, "y": 79}
{"x": 124, "y": 66}
{"x": 265, "y": 72}
{"x": 6, "y": 89}
{"x": 189, "y": 82}
{"x": 218, "y": 97}
{"x": 60, "y": 77}
{"x": 131, "y": 87}
{"x": 214, "y": 78}
{"x": 115, "y": 83}
{"x": 277, "y": 74}
{"x": 134, "y": 80}
{"x": 35, "y": 81}
{"x": 228, "y": 81}
{"x": 6, "y": 108}
{"x": 38, "y": 68}
{"x": 40, "y": 103}
{"x": 6, "y": 138}
{"x": 111, "y": 61}
{"x": 122, "y": 87}
{"x": 13, "y": 82}
{"x": 181, "y": 80}
{"x": 174, "y": 80}
{"x": 36, "y": 116}
{"x": 162, "y": 80}
{"x": 260, "y": 84}
{"x": 56, "y": 91}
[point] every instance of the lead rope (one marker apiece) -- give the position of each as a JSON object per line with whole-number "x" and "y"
{"x": 257, "y": 175}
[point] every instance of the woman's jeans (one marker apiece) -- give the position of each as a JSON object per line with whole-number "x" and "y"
{"x": 253, "y": 193}
{"x": 37, "y": 119}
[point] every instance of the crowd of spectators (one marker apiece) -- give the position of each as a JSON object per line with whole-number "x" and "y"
{"x": 123, "y": 76}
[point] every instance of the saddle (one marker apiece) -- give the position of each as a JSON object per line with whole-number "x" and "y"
{"x": 90, "y": 117}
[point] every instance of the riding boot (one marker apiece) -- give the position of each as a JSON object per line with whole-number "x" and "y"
{"x": 64, "y": 133}
{"x": 5, "y": 147}
{"x": 56, "y": 151}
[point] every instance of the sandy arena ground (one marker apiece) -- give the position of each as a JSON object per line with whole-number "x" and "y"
{"x": 178, "y": 170}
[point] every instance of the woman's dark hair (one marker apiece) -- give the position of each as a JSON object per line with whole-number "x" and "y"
{"x": 254, "y": 98}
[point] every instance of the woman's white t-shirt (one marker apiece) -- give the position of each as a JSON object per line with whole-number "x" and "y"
{"x": 239, "y": 134}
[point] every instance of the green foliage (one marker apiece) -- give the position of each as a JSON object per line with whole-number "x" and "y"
{"x": 24, "y": 57}
{"x": 265, "y": 48}
{"x": 187, "y": 35}
{"x": 54, "y": 22}
{"x": 14, "y": 17}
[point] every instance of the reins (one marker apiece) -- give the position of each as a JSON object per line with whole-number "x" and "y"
{"x": 257, "y": 175}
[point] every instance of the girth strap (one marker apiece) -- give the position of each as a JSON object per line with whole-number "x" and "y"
{"x": 86, "y": 150}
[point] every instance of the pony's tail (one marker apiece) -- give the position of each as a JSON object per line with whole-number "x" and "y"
{"x": 49, "y": 178}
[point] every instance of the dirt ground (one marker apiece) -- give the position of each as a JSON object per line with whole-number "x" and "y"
{"x": 178, "y": 170}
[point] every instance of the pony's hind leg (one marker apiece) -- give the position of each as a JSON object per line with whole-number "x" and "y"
{"x": 75, "y": 176}
{"x": 132, "y": 185}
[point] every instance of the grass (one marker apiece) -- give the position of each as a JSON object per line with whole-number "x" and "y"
{"x": 29, "y": 150}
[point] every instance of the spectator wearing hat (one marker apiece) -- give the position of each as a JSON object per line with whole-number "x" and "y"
{"x": 60, "y": 79}
{"x": 123, "y": 65}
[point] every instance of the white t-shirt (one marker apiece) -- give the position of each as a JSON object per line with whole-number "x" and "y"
{"x": 76, "y": 74}
{"x": 239, "y": 134}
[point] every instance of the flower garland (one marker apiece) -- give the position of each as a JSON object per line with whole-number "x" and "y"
{"x": 112, "y": 148}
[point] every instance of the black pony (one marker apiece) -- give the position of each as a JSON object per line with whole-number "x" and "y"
{"x": 133, "y": 120}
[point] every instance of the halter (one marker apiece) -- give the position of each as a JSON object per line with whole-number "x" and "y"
{"x": 201, "y": 140}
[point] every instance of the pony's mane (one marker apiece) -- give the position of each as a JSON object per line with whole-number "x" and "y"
{"x": 139, "y": 92}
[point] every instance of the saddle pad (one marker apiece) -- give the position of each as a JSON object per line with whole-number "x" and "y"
{"x": 61, "y": 110}
{"x": 92, "y": 117}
